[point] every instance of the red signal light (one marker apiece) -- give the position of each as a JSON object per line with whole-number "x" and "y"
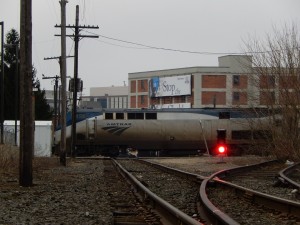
{"x": 221, "y": 149}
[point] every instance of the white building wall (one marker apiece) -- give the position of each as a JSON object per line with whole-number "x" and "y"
{"x": 42, "y": 136}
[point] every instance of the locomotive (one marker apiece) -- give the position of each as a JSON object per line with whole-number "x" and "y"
{"x": 164, "y": 132}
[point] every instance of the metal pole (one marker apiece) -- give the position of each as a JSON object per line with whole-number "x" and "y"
{"x": 2, "y": 83}
{"x": 63, "y": 84}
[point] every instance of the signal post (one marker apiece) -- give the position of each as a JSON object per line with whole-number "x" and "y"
{"x": 221, "y": 147}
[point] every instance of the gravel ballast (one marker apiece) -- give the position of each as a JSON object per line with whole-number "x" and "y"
{"x": 79, "y": 193}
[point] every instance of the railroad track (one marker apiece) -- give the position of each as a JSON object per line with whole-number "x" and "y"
{"x": 291, "y": 177}
{"x": 173, "y": 193}
{"x": 125, "y": 205}
{"x": 239, "y": 193}
{"x": 264, "y": 178}
{"x": 173, "y": 198}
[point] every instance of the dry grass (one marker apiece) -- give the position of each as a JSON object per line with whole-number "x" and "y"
{"x": 9, "y": 158}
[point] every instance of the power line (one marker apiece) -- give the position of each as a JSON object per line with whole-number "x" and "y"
{"x": 170, "y": 49}
{"x": 122, "y": 46}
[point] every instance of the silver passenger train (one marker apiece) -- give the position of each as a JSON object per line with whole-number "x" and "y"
{"x": 165, "y": 132}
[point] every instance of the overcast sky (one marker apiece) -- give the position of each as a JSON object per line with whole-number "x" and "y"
{"x": 216, "y": 26}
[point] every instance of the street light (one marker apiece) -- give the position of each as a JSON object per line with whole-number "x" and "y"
{"x": 16, "y": 46}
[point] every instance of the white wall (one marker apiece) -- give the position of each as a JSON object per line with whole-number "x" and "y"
{"x": 42, "y": 136}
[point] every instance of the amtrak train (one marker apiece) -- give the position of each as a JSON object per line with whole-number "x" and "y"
{"x": 164, "y": 132}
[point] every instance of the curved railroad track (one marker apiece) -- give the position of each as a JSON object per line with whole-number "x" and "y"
{"x": 291, "y": 176}
{"x": 178, "y": 192}
{"x": 249, "y": 195}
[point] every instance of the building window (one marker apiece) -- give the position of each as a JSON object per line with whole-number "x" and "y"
{"x": 132, "y": 86}
{"x": 182, "y": 99}
{"x": 236, "y": 96}
{"x": 142, "y": 99}
{"x": 143, "y": 85}
{"x": 236, "y": 80}
{"x": 103, "y": 103}
{"x": 271, "y": 81}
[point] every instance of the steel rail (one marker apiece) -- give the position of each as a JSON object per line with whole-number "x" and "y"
{"x": 283, "y": 174}
{"x": 239, "y": 169}
{"x": 270, "y": 201}
{"x": 216, "y": 216}
{"x": 171, "y": 214}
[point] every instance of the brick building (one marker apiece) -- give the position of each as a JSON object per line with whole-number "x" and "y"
{"x": 227, "y": 85}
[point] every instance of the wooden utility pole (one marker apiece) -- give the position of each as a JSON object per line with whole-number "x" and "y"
{"x": 55, "y": 97}
{"x": 2, "y": 84}
{"x": 56, "y": 88}
{"x": 26, "y": 111}
{"x": 74, "y": 108}
{"x": 76, "y": 37}
{"x": 63, "y": 64}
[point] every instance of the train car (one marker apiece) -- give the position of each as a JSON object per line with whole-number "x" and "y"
{"x": 161, "y": 132}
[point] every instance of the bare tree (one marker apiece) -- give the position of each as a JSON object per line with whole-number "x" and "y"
{"x": 275, "y": 82}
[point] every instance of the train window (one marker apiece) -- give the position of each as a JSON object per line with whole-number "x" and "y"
{"x": 120, "y": 116}
{"x": 131, "y": 116}
{"x": 135, "y": 116}
{"x": 262, "y": 134}
{"x": 109, "y": 116}
{"x": 224, "y": 115}
{"x": 151, "y": 116}
{"x": 241, "y": 134}
{"x": 139, "y": 116}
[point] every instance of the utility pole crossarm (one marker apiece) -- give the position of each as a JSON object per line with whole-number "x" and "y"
{"x": 57, "y": 57}
{"x": 79, "y": 36}
{"x": 80, "y": 26}
{"x": 44, "y": 77}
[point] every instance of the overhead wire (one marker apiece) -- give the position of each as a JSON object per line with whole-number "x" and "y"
{"x": 171, "y": 49}
{"x": 119, "y": 45}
